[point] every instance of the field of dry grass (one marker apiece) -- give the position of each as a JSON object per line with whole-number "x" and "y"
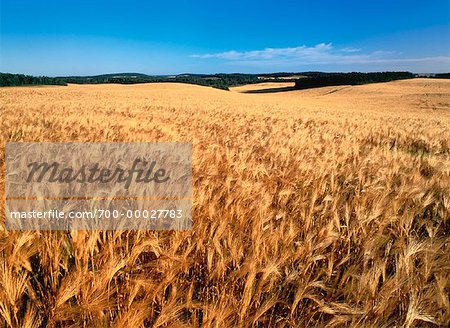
{"x": 326, "y": 206}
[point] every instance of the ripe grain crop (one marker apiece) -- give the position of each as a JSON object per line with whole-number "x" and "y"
{"x": 321, "y": 207}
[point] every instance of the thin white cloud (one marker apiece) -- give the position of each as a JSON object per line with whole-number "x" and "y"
{"x": 271, "y": 53}
{"x": 351, "y": 49}
{"x": 320, "y": 54}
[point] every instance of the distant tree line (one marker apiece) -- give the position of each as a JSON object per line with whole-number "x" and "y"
{"x": 8, "y": 80}
{"x": 317, "y": 79}
{"x": 442, "y": 76}
{"x": 302, "y": 80}
{"x": 220, "y": 81}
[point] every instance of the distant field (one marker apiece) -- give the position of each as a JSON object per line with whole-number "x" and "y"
{"x": 319, "y": 207}
{"x": 262, "y": 86}
{"x": 289, "y": 77}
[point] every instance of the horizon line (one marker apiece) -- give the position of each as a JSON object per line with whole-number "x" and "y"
{"x": 223, "y": 73}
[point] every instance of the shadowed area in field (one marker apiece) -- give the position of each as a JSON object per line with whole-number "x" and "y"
{"x": 271, "y": 90}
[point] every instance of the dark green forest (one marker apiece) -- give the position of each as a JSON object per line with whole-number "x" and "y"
{"x": 442, "y": 76}
{"x": 331, "y": 79}
{"x": 220, "y": 81}
{"x": 302, "y": 80}
{"x": 7, "y": 80}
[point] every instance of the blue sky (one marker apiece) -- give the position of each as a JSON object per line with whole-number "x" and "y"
{"x": 167, "y": 37}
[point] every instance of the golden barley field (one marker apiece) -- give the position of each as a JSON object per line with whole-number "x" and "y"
{"x": 321, "y": 207}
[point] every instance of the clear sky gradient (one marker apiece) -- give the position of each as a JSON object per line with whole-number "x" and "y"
{"x": 168, "y": 37}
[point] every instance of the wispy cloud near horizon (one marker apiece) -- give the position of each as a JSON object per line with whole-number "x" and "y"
{"x": 320, "y": 54}
{"x": 271, "y": 53}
